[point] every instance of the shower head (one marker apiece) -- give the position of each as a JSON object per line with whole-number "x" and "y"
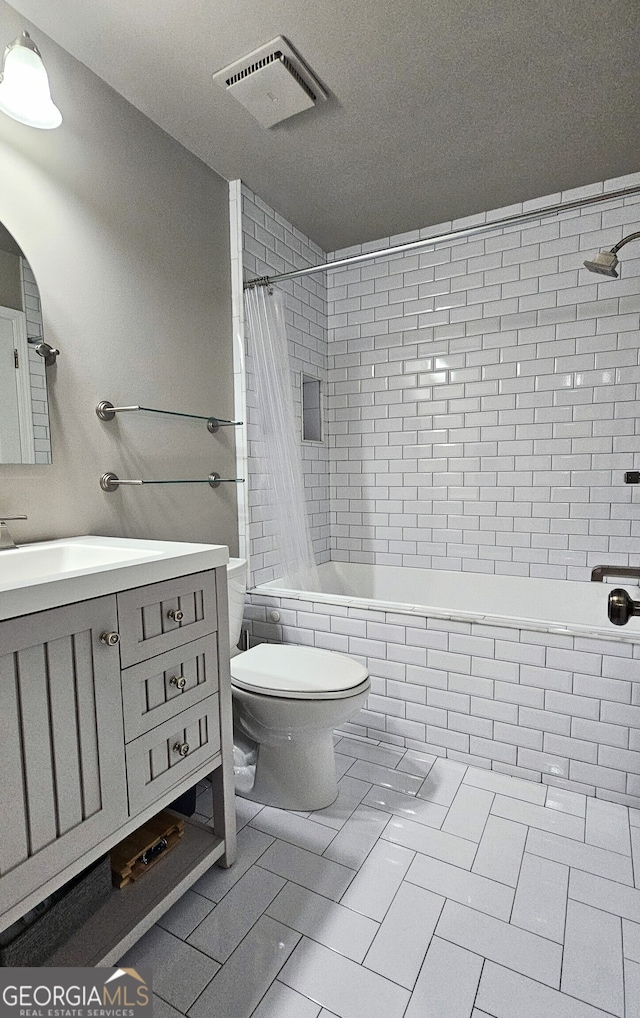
{"x": 604, "y": 264}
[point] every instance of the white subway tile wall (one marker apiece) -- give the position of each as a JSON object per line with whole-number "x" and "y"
{"x": 272, "y": 245}
{"x": 536, "y": 705}
{"x": 482, "y": 397}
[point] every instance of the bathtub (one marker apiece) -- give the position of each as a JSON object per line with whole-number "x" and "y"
{"x": 525, "y": 676}
{"x": 553, "y": 606}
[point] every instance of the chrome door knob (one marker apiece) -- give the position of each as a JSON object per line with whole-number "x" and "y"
{"x": 181, "y": 748}
{"x": 110, "y": 639}
{"x": 175, "y": 614}
{"x": 178, "y": 681}
{"x": 621, "y": 607}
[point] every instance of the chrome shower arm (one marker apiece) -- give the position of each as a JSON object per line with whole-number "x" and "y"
{"x": 625, "y": 240}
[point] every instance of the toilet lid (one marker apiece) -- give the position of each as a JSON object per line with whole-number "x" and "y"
{"x": 296, "y": 672}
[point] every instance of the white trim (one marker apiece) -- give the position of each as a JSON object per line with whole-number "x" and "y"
{"x": 23, "y": 387}
{"x": 239, "y": 375}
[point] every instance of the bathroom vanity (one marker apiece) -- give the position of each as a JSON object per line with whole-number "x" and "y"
{"x": 114, "y": 700}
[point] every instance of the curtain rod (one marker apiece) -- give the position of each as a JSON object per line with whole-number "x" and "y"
{"x": 470, "y": 231}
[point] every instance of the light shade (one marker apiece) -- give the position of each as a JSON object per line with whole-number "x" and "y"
{"x": 24, "y": 88}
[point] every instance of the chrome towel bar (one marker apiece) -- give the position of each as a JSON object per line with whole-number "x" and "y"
{"x": 106, "y": 412}
{"x": 111, "y": 482}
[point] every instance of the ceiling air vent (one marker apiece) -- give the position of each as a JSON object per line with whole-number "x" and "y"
{"x": 273, "y": 83}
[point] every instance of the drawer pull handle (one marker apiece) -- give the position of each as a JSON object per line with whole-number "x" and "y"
{"x": 175, "y": 614}
{"x": 178, "y": 681}
{"x": 182, "y": 748}
{"x": 110, "y": 639}
{"x": 151, "y": 854}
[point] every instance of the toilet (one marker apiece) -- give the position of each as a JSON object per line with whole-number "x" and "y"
{"x": 287, "y": 700}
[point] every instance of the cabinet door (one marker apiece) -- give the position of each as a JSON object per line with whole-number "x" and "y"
{"x": 62, "y": 787}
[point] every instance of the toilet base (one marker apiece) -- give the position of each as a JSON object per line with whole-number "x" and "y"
{"x": 296, "y": 775}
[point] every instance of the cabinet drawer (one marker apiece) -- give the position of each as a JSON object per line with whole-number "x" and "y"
{"x": 154, "y": 762}
{"x": 159, "y": 689}
{"x": 146, "y": 616}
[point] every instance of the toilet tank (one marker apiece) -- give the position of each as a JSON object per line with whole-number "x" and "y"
{"x": 237, "y": 585}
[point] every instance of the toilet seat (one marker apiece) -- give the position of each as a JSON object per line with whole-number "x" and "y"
{"x": 297, "y": 673}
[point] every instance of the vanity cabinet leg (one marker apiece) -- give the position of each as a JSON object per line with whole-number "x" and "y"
{"x": 224, "y": 812}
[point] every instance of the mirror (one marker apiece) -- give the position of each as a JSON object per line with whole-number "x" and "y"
{"x": 24, "y": 407}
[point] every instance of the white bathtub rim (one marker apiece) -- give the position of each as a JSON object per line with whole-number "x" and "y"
{"x": 399, "y": 608}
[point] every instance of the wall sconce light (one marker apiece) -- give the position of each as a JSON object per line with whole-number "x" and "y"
{"x": 24, "y": 86}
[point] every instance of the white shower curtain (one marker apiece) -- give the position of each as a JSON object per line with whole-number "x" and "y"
{"x": 276, "y": 453}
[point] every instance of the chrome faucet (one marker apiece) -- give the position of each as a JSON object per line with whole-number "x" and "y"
{"x": 6, "y": 540}
{"x": 621, "y": 607}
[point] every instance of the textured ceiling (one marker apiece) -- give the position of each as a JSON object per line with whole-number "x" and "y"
{"x": 438, "y": 108}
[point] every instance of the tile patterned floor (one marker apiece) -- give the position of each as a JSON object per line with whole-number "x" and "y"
{"x": 427, "y": 890}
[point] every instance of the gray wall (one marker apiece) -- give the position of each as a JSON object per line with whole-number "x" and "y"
{"x": 128, "y": 236}
{"x": 10, "y": 282}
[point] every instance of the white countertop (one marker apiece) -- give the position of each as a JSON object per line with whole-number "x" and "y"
{"x": 47, "y": 574}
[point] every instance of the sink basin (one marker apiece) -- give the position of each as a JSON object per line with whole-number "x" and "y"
{"x": 40, "y": 560}
{"x": 34, "y": 577}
